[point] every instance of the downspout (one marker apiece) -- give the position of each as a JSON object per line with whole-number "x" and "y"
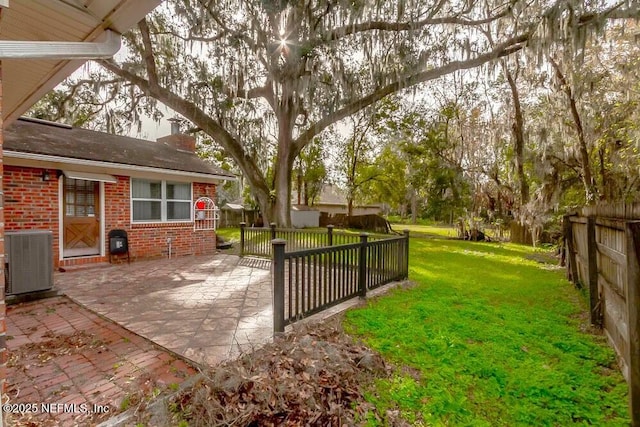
{"x": 61, "y": 50}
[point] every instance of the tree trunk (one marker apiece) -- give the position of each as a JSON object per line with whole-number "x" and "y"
{"x": 518, "y": 137}
{"x": 306, "y": 193}
{"x": 605, "y": 192}
{"x": 264, "y": 202}
{"x": 282, "y": 202}
{"x": 587, "y": 177}
{"x": 499, "y": 204}
{"x": 299, "y": 186}
{"x": 414, "y": 206}
{"x": 284, "y": 165}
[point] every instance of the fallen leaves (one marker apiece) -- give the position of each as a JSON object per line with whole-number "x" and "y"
{"x": 310, "y": 377}
{"x": 54, "y": 345}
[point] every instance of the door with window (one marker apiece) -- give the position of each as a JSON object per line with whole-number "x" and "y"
{"x": 81, "y": 228}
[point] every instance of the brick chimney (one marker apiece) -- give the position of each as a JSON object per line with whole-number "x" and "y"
{"x": 177, "y": 139}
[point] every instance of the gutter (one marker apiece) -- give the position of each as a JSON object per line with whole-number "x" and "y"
{"x": 61, "y": 50}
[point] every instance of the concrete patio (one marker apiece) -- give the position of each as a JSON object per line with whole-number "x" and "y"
{"x": 205, "y": 308}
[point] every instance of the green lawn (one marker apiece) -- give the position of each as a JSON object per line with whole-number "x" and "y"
{"x": 231, "y": 234}
{"x": 489, "y": 337}
{"x": 315, "y": 237}
{"x": 427, "y": 230}
{"x": 420, "y": 230}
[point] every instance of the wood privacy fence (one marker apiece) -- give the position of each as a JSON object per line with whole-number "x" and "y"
{"x": 308, "y": 281}
{"x": 257, "y": 241}
{"x": 602, "y": 244}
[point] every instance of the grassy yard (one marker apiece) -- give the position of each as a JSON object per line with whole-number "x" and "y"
{"x": 231, "y": 234}
{"x": 489, "y": 336}
{"x": 427, "y": 230}
{"x": 315, "y": 237}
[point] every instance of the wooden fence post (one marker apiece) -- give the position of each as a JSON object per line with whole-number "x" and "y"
{"x": 594, "y": 296}
{"x": 278, "y": 285}
{"x": 273, "y": 230}
{"x": 242, "y": 226}
{"x": 330, "y": 235}
{"x": 633, "y": 310}
{"x": 572, "y": 267}
{"x": 406, "y": 253}
{"x": 362, "y": 266}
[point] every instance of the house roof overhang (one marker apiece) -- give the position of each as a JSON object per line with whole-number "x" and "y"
{"x": 42, "y": 144}
{"x": 25, "y": 81}
{"x": 17, "y": 158}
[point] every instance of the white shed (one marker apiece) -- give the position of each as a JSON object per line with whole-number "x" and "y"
{"x": 303, "y": 216}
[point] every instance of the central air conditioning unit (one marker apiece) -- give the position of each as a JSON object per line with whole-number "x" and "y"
{"x": 28, "y": 261}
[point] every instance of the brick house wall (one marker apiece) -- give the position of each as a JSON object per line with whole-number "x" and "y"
{"x": 3, "y": 308}
{"x": 33, "y": 204}
{"x": 150, "y": 240}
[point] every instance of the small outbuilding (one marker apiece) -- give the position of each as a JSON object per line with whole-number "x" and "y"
{"x": 303, "y": 216}
{"x": 332, "y": 201}
{"x": 233, "y": 213}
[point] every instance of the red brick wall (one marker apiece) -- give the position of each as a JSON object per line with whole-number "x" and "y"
{"x": 32, "y": 204}
{"x": 3, "y": 308}
{"x": 150, "y": 240}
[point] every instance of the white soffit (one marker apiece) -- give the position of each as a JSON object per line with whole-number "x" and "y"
{"x": 89, "y": 176}
{"x": 25, "y": 81}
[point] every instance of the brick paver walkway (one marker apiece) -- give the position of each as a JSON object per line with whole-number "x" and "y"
{"x": 62, "y": 354}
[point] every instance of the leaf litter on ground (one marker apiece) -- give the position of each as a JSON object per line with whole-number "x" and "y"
{"x": 315, "y": 375}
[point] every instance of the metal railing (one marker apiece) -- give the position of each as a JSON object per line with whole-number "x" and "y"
{"x": 257, "y": 241}
{"x": 307, "y": 281}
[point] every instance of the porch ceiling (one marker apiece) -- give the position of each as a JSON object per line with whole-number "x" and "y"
{"x": 26, "y": 81}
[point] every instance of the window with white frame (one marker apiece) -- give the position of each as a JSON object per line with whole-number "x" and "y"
{"x": 160, "y": 201}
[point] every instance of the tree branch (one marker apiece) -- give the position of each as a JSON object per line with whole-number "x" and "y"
{"x": 147, "y": 53}
{"x": 508, "y": 47}
{"x": 190, "y": 37}
{"x": 197, "y": 116}
{"x": 590, "y": 189}
{"x": 347, "y": 30}
{"x": 250, "y": 42}
{"x": 613, "y": 12}
{"x": 374, "y": 177}
{"x": 265, "y": 91}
